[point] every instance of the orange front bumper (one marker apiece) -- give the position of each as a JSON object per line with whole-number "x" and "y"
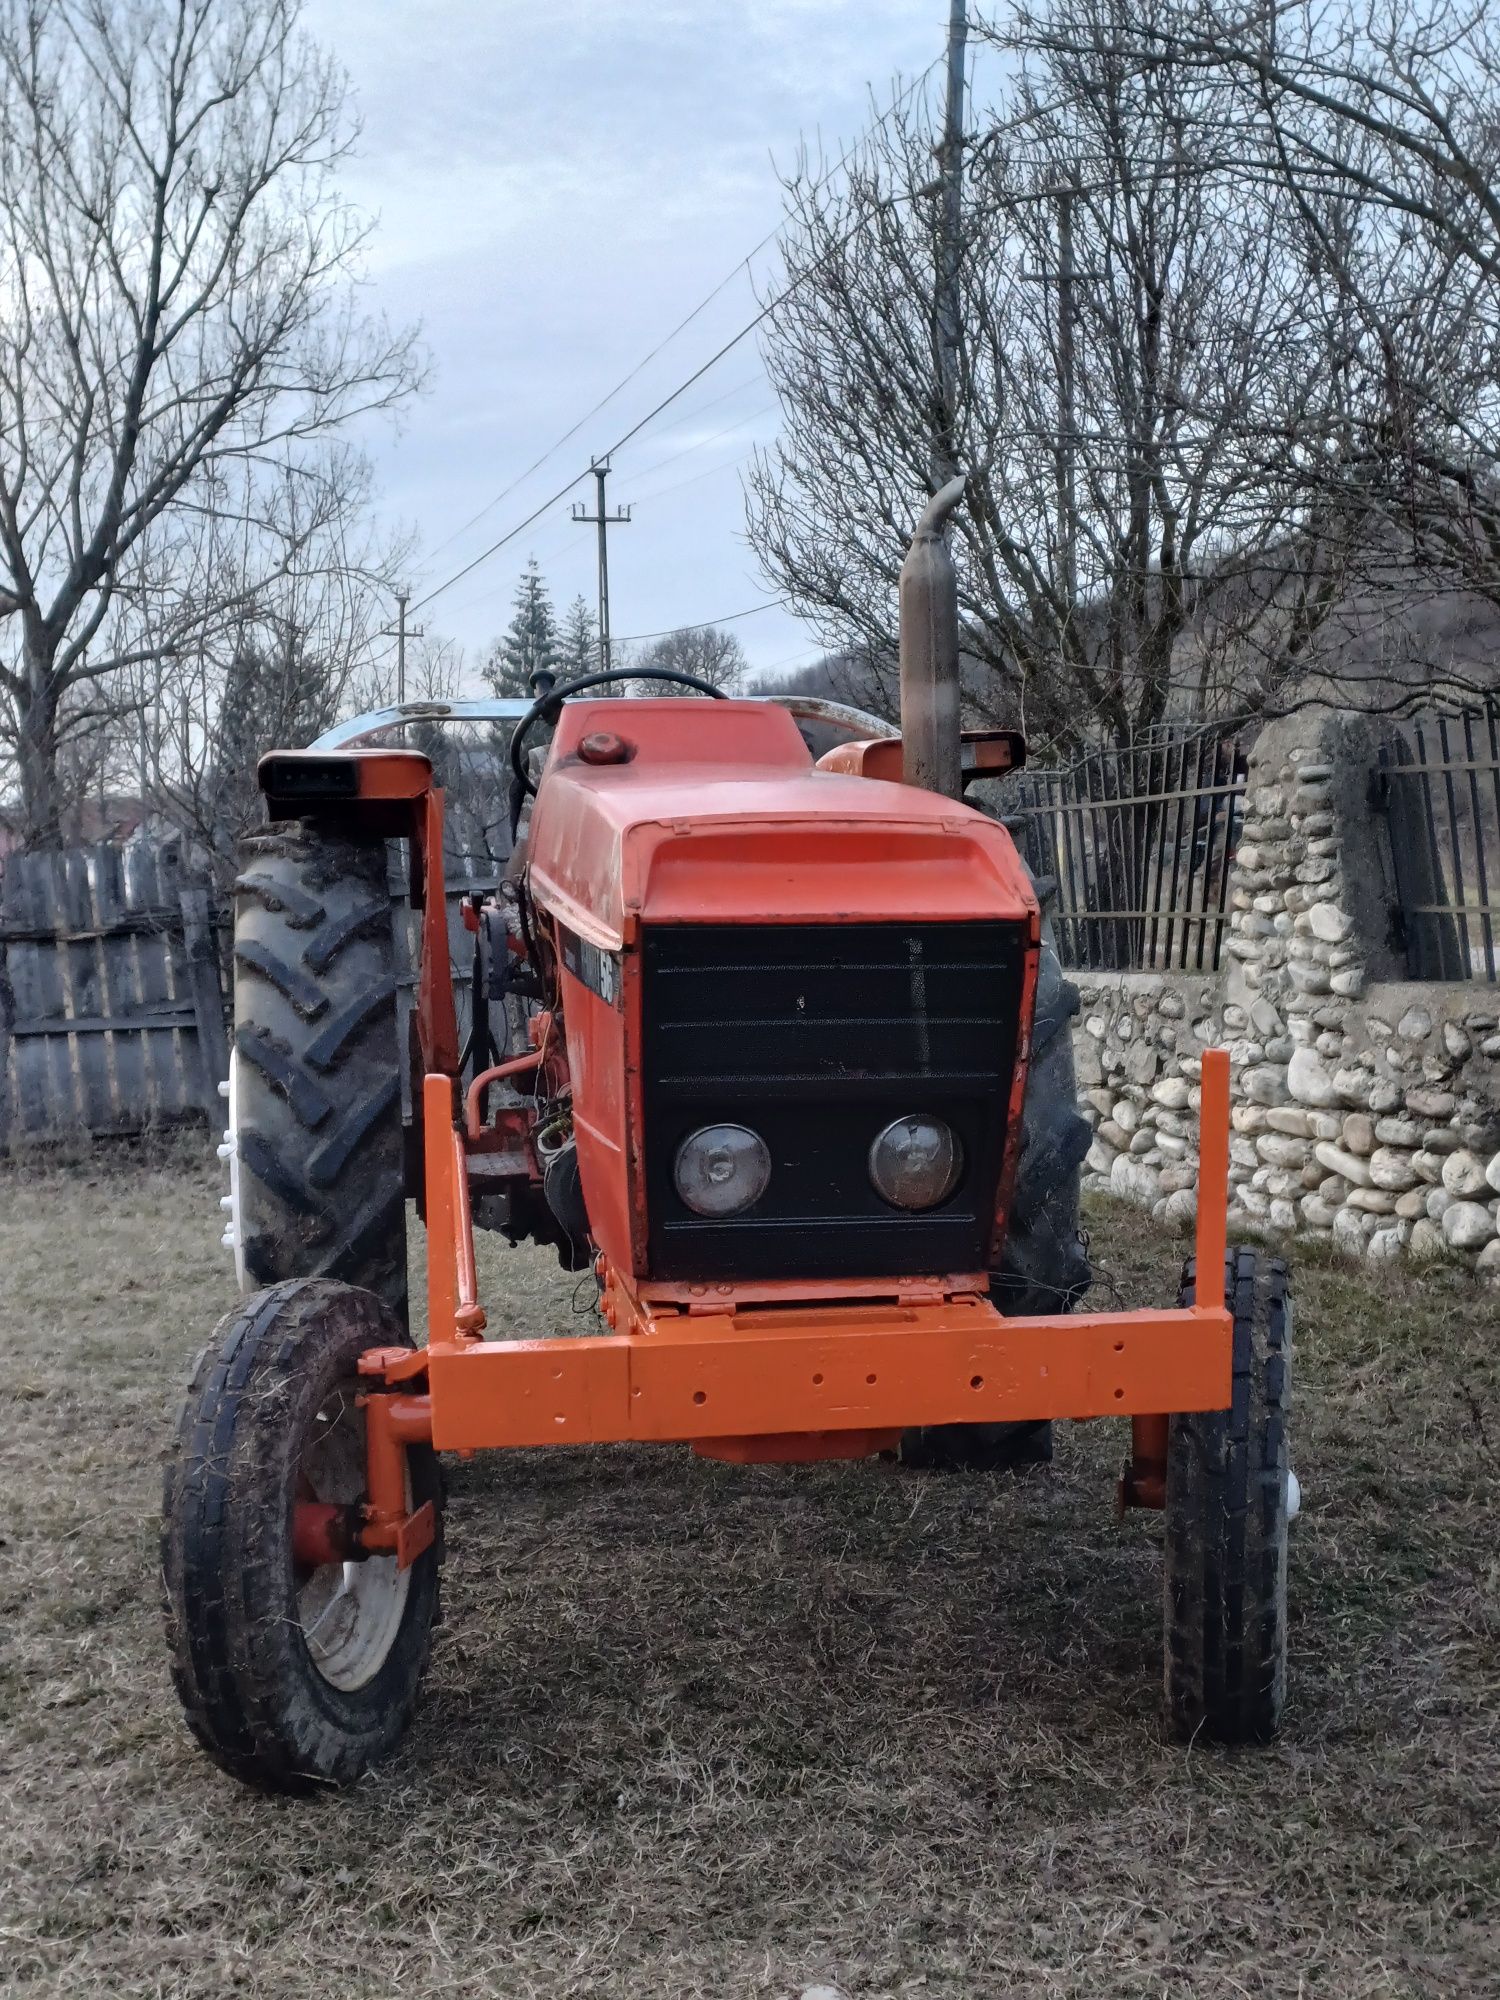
{"x": 758, "y": 1371}
{"x": 847, "y": 1368}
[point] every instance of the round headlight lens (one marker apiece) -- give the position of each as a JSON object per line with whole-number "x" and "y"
{"x": 915, "y": 1162}
{"x": 722, "y": 1170}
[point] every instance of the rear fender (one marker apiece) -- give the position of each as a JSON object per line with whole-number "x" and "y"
{"x": 383, "y": 795}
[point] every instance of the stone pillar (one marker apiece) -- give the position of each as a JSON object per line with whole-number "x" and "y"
{"x": 1295, "y": 966}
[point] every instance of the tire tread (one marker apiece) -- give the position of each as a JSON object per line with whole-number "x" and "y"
{"x": 321, "y": 1146}
{"x": 1224, "y": 1589}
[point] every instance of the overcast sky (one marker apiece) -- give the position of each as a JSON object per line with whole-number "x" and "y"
{"x": 556, "y": 187}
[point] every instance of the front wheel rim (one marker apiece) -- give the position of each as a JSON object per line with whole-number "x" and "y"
{"x": 350, "y": 1613}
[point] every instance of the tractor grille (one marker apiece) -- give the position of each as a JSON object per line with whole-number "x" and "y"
{"x": 816, "y": 1036}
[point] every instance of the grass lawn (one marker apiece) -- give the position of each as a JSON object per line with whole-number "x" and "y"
{"x": 694, "y": 1729}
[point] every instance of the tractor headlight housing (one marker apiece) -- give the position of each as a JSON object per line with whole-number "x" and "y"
{"x": 721, "y": 1170}
{"x": 915, "y": 1162}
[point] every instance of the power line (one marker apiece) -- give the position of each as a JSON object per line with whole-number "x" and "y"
{"x": 702, "y": 444}
{"x": 552, "y": 547}
{"x": 510, "y": 535}
{"x": 896, "y": 104}
{"x": 619, "y": 444}
{"x": 695, "y": 478}
{"x": 772, "y": 305}
{"x": 667, "y": 403}
{"x": 703, "y": 625}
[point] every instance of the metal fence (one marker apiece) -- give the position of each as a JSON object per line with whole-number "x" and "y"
{"x": 1138, "y": 842}
{"x": 1438, "y": 781}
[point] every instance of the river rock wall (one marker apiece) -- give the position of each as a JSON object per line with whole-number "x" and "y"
{"x": 1366, "y": 1108}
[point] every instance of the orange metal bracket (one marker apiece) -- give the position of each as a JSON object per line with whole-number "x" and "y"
{"x": 1213, "y": 1167}
{"x": 453, "y": 1308}
{"x": 437, "y": 1019}
{"x": 391, "y": 1424}
{"x": 1143, "y": 1483}
{"x": 984, "y": 753}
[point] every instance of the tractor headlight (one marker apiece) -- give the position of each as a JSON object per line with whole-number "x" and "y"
{"x": 915, "y": 1162}
{"x": 722, "y": 1170}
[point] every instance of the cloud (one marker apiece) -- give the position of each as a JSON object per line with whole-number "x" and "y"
{"x": 556, "y": 188}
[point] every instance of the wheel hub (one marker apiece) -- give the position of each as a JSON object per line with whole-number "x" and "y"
{"x": 350, "y": 1612}
{"x": 233, "y": 1238}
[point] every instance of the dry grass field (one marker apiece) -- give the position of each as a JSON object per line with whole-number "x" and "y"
{"x": 695, "y": 1730}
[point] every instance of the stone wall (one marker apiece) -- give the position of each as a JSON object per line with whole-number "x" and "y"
{"x": 1365, "y": 1108}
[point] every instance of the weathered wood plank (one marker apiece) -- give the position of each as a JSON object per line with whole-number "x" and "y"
{"x": 111, "y": 1010}
{"x": 100, "y": 1107}
{"x": 202, "y": 966}
{"x": 150, "y": 921}
{"x": 66, "y": 1105}
{"x": 24, "y": 898}
{"x": 159, "y": 1046}
{"x": 185, "y": 1093}
{"x": 122, "y": 994}
{"x": 7, "y": 1084}
{"x": 173, "y": 1017}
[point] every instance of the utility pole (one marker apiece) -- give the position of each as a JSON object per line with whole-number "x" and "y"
{"x": 604, "y": 521}
{"x": 947, "y": 303}
{"x": 401, "y": 634}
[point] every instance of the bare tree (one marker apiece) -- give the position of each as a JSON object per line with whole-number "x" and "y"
{"x": 301, "y": 582}
{"x": 1377, "y": 129}
{"x": 704, "y": 651}
{"x": 176, "y": 267}
{"x": 1138, "y": 344}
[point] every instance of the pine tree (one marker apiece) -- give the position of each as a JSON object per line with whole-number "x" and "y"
{"x": 578, "y": 648}
{"x": 530, "y": 643}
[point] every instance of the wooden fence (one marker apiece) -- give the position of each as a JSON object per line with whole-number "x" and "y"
{"x": 114, "y": 979}
{"x": 111, "y": 1007}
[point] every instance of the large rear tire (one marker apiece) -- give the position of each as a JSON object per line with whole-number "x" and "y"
{"x": 1043, "y": 1266}
{"x": 290, "y": 1678}
{"x": 1228, "y": 1481}
{"x": 317, "y": 1078}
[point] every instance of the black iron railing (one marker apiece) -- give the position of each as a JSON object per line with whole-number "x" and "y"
{"x": 1139, "y": 842}
{"x": 1438, "y": 780}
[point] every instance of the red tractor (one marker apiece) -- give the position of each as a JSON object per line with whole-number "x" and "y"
{"x": 796, "y": 1087}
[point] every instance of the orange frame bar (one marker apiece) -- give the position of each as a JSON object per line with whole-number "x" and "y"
{"x": 772, "y": 1370}
{"x": 1213, "y": 1167}
{"x": 863, "y": 1367}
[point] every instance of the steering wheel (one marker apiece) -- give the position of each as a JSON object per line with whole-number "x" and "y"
{"x": 565, "y": 688}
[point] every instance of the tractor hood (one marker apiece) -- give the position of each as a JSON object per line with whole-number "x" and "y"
{"x": 682, "y": 811}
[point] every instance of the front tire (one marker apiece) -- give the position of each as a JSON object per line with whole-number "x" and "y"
{"x": 289, "y": 1678}
{"x": 1226, "y": 1525}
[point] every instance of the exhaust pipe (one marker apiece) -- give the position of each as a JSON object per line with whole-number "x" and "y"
{"x": 928, "y": 598}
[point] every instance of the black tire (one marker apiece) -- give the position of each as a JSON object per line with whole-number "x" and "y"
{"x": 1226, "y": 1526}
{"x": 1043, "y": 1265}
{"x": 322, "y": 1168}
{"x": 252, "y": 1420}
